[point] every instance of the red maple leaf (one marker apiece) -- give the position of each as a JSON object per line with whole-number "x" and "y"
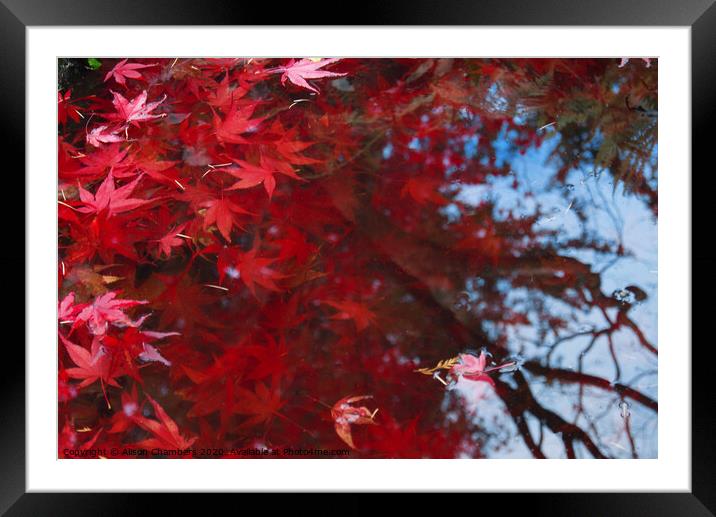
{"x": 289, "y": 145}
{"x": 162, "y": 171}
{"x": 94, "y": 165}
{"x": 271, "y": 359}
{"x": 105, "y": 236}
{"x": 295, "y": 245}
{"x": 261, "y": 405}
{"x": 237, "y": 122}
{"x": 356, "y": 311}
{"x": 65, "y": 108}
{"x": 124, "y": 70}
{"x": 250, "y": 269}
{"x": 165, "y": 430}
{"x": 222, "y": 212}
{"x": 224, "y": 96}
{"x": 283, "y": 314}
{"x": 92, "y": 365}
{"x": 251, "y": 175}
{"x": 123, "y": 420}
{"x": 172, "y": 240}
{"x": 108, "y": 198}
{"x": 298, "y": 71}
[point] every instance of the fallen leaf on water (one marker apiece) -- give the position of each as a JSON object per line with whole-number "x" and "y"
{"x": 344, "y": 415}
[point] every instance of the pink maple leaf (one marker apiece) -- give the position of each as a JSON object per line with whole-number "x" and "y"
{"x": 625, "y": 60}
{"x": 124, "y": 70}
{"x": 107, "y": 309}
{"x": 92, "y": 365}
{"x": 67, "y": 310}
{"x": 298, "y": 71}
{"x": 151, "y": 354}
{"x": 101, "y": 135}
{"x": 344, "y": 415}
{"x": 475, "y": 368}
{"x": 136, "y": 110}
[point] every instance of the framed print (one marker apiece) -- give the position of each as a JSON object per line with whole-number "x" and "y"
{"x": 418, "y": 253}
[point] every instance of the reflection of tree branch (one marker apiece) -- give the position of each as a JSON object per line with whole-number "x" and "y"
{"x": 569, "y": 446}
{"x": 519, "y": 418}
{"x": 623, "y": 319}
{"x": 444, "y": 318}
{"x": 569, "y": 432}
{"x": 610, "y": 340}
{"x": 413, "y": 263}
{"x": 464, "y": 337}
{"x": 590, "y": 380}
{"x": 580, "y": 275}
{"x": 630, "y": 436}
{"x": 594, "y": 333}
{"x": 467, "y": 336}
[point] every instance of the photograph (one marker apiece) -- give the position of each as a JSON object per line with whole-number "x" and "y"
{"x": 357, "y": 257}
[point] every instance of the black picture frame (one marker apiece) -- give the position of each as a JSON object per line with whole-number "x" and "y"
{"x": 700, "y": 15}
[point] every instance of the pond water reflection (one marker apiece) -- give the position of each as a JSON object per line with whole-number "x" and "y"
{"x": 426, "y": 258}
